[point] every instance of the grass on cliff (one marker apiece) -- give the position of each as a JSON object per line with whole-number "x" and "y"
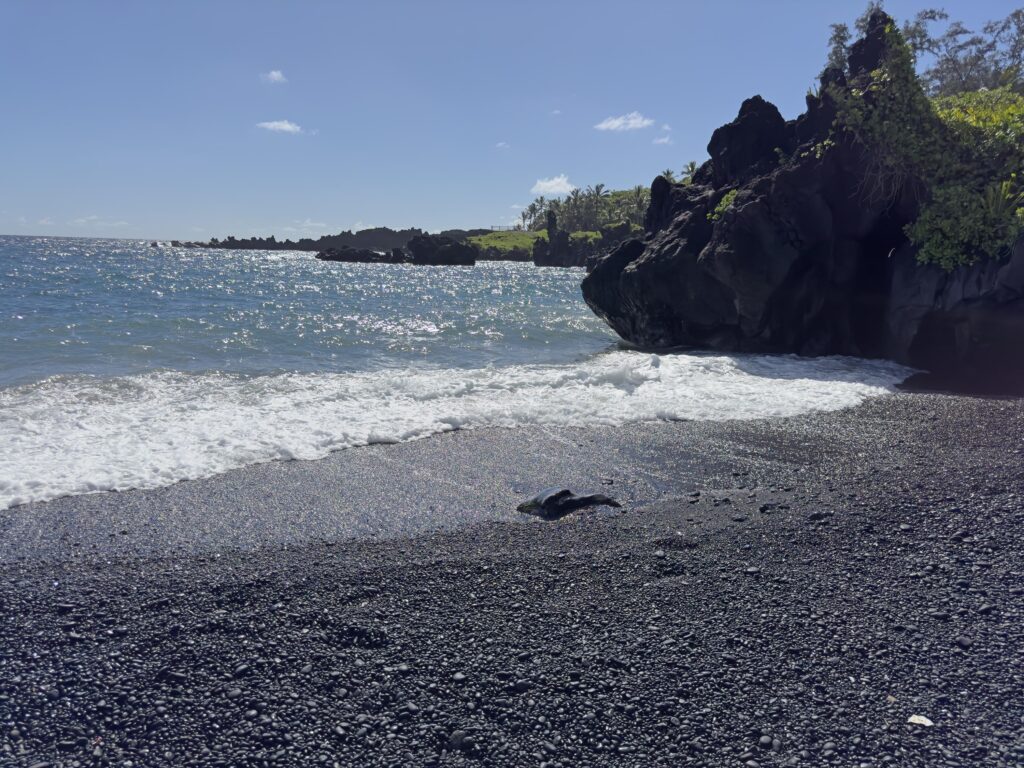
{"x": 507, "y": 242}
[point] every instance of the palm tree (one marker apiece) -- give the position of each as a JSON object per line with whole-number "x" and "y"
{"x": 574, "y": 204}
{"x": 531, "y": 215}
{"x": 639, "y": 202}
{"x": 669, "y": 175}
{"x": 689, "y": 170}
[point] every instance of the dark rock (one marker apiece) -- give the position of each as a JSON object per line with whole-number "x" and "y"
{"x": 555, "y": 503}
{"x": 360, "y": 256}
{"x": 806, "y": 260}
{"x": 437, "y": 250}
{"x": 748, "y": 144}
{"x": 560, "y": 250}
{"x": 557, "y": 251}
{"x": 867, "y": 53}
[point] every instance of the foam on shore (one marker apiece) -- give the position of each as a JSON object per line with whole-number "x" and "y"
{"x": 71, "y": 435}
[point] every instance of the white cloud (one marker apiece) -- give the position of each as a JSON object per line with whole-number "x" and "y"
{"x": 502, "y": 145}
{"x": 515, "y": 206}
{"x": 555, "y": 186}
{"x": 308, "y": 223}
{"x": 98, "y": 222}
{"x": 274, "y": 76}
{"x": 663, "y": 140}
{"x": 629, "y": 122}
{"x": 556, "y": 111}
{"x": 280, "y": 126}
{"x": 307, "y": 226}
{"x": 666, "y": 127}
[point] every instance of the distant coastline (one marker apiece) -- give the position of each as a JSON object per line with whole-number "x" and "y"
{"x": 373, "y": 239}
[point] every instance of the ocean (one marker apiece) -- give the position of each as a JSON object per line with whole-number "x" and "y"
{"x": 126, "y": 366}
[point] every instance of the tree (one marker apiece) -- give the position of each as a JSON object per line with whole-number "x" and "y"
{"x": 838, "y": 47}
{"x": 689, "y": 170}
{"x": 640, "y": 199}
{"x": 958, "y": 59}
{"x": 669, "y": 175}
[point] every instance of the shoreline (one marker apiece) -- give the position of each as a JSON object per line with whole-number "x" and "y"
{"x": 836, "y": 574}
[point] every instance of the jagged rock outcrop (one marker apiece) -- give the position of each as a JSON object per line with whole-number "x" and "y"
{"x": 361, "y": 256}
{"x": 437, "y": 250}
{"x": 561, "y": 250}
{"x": 801, "y": 258}
{"x": 504, "y": 254}
{"x": 558, "y": 251}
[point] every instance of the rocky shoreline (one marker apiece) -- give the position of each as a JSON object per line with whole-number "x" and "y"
{"x": 795, "y": 592}
{"x": 783, "y": 242}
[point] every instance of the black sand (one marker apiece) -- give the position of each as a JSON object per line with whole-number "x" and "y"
{"x": 836, "y": 575}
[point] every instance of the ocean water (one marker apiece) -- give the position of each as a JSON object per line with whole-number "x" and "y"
{"x": 124, "y": 366}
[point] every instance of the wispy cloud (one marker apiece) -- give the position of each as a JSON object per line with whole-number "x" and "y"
{"x": 555, "y": 186}
{"x": 274, "y": 76}
{"x": 99, "y": 222}
{"x": 663, "y": 140}
{"x": 556, "y": 111}
{"x": 307, "y": 225}
{"x": 515, "y": 206}
{"x": 280, "y": 126}
{"x": 628, "y": 122}
{"x": 46, "y": 221}
{"x": 502, "y": 145}
{"x": 666, "y": 127}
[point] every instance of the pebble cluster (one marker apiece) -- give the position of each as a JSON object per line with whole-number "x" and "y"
{"x": 849, "y": 592}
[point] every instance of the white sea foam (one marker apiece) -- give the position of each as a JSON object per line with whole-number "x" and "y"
{"x": 74, "y": 435}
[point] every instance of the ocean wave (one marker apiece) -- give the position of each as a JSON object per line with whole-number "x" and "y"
{"x": 71, "y": 435}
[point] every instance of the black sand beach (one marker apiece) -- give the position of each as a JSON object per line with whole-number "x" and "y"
{"x": 784, "y": 592}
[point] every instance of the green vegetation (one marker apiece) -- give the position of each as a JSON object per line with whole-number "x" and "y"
{"x": 507, "y": 241}
{"x": 723, "y": 205}
{"x": 585, "y": 237}
{"x": 518, "y": 239}
{"x": 960, "y": 151}
{"x": 959, "y": 59}
{"x": 587, "y": 210}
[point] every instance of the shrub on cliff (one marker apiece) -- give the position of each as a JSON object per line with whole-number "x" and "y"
{"x": 959, "y": 154}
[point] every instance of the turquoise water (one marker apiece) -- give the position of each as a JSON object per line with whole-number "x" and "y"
{"x": 125, "y": 366}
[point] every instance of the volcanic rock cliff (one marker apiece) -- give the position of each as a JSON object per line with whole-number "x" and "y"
{"x": 777, "y": 246}
{"x": 426, "y": 250}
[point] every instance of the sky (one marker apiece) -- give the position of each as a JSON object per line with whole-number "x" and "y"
{"x": 191, "y": 120}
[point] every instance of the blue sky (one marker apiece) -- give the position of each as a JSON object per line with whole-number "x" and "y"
{"x": 163, "y": 120}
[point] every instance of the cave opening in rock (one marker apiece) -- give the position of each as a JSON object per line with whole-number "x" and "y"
{"x": 874, "y": 276}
